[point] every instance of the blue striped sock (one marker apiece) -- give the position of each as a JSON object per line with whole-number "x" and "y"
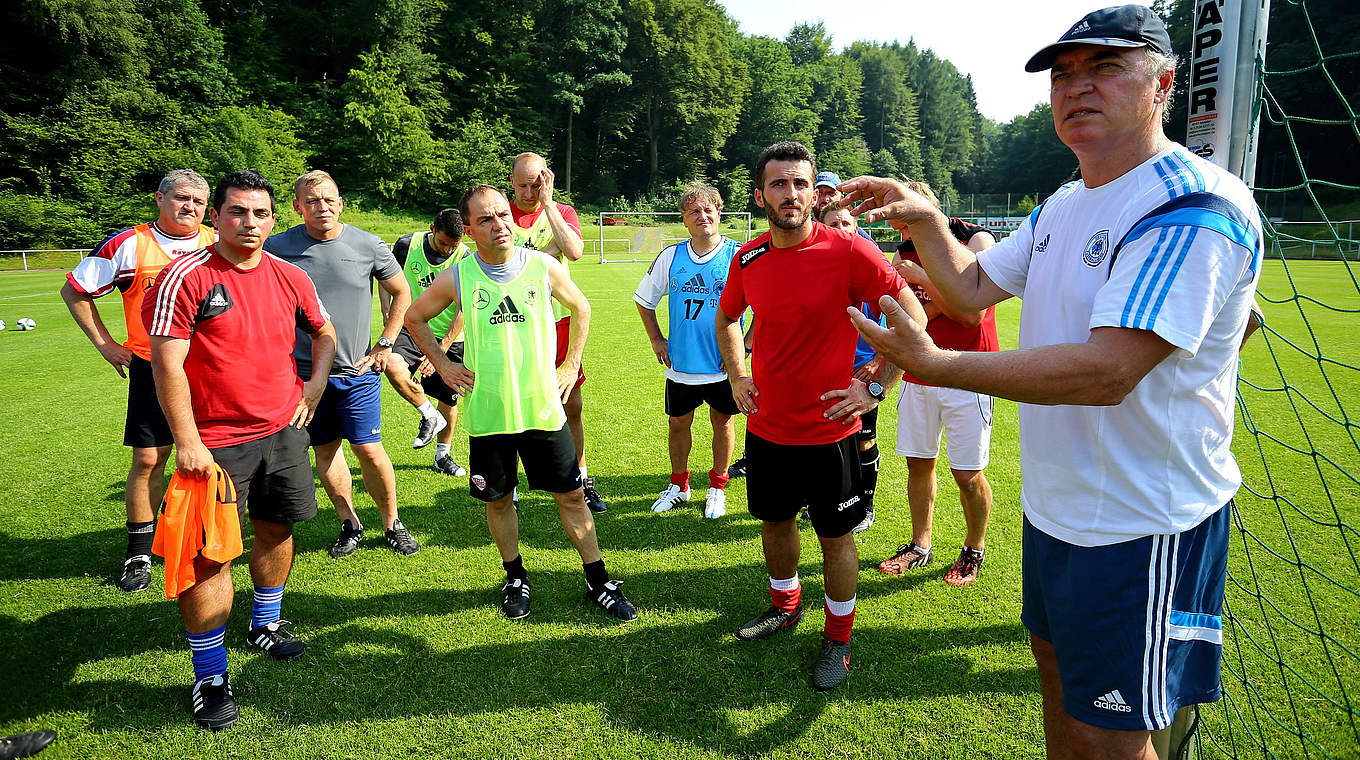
{"x": 209, "y": 653}
{"x": 268, "y": 602}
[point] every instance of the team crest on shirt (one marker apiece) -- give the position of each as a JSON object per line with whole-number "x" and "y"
{"x": 1096, "y": 248}
{"x": 718, "y": 285}
{"x": 531, "y": 295}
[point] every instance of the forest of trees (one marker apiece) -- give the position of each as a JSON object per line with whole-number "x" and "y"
{"x": 408, "y": 101}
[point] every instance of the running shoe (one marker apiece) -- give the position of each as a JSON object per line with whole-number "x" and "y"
{"x": 400, "y": 539}
{"x": 593, "y": 499}
{"x": 866, "y": 523}
{"x": 670, "y": 498}
{"x": 769, "y": 622}
{"x": 446, "y": 465}
{"x": 832, "y": 666}
{"x": 966, "y": 568}
{"x": 26, "y": 745}
{"x": 348, "y": 541}
{"x": 280, "y": 644}
{"x": 738, "y": 468}
{"x": 715, "y": 503}
{"x": 214, "y": 705}
{"x": 136, "y": 574}
{"x": 515, "y": 598}
{"x": 908, "y": 556}
{"x": 612, "y": 600}
{"x": 429, "y": 428}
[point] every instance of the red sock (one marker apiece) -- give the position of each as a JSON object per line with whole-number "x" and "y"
{"x": 717, "y": 479}
{"x": 680, "y": 479}
{"x": 837, "y": 627}
{"x": 787, "y": 601}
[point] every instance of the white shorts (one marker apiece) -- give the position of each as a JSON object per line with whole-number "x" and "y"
{"x": 923, "y": 411}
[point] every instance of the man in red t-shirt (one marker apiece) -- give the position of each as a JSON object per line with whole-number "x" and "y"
{"x": 923, "y": 410}
{"x": 222, "y": 326}
{"x": 545, "y": 225}
{"x": 803, "y": 405}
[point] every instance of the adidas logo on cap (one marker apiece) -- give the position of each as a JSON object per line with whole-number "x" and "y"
{"x": 1113, "y": 701}
{"x": 505, "y": 312}
{"x": 1082, "y": 27}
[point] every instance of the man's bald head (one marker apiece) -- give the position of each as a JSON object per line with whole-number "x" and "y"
{"x": 526, "y": 179}
{"x": 529, "y": 163}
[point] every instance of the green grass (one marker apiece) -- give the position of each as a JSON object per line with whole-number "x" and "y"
{"x": 409, "y": 657}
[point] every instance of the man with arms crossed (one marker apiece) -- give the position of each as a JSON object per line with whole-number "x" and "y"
{"x": 1137, "y": 283}
{"x": 544, "y": 225}
{"x": 129, "y": 261}
{"x": 692, "y": 272}
{"x": 802, "y": 404}
{"x": 343, "y": 261}
{"x": 222, "y": 325}
{"x": 513, "y": 408}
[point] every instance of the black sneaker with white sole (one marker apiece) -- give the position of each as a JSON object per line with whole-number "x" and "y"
{"x": 400, "y": 539}
{"x": 447, "y": 466}
{"x": 593, "y": 500}
{"x": 515, "y": 598}
{"x": 213, "y": 703}
{"x": 768, "y": 623}
{"x": 136, "y": 574}
{"x": 348, "y": 541}
{"x": 278, "y": 643}
{"x": 429, "y": 428}
{"x": 738, "y": 468}
{"x": 612, "y": 600}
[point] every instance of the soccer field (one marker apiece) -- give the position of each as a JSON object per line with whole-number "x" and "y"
{"x": 410, "y": 657}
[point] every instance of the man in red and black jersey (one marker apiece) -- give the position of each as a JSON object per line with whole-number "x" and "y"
{"x": 802, "y": 403}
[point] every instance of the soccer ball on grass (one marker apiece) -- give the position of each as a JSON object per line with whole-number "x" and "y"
{"x": 25, "y": 323}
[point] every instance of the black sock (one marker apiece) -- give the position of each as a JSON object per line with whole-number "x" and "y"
{"x": 868, "y": 474}
{"x": 140, "y": 536}
{"x": 596, "y": 575}
{"x": 515, "y": 568}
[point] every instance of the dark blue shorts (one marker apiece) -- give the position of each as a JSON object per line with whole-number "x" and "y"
{"x": 1137, "y": 626}
{"x": 350, "y": 408}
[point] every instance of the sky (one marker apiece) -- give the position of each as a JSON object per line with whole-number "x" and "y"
{"x": 988, "y": 39}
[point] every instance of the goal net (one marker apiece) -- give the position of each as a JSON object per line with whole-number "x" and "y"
{"x": 624, "y": 236}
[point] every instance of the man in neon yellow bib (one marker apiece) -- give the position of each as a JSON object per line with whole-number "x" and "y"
{"x": 513, "y": 407}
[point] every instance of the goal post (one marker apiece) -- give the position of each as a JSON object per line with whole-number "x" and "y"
{"x": 634, "y": 236}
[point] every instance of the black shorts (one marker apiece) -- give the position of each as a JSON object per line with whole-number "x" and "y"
{"x": 868, "y": 426}
{"x": 782, "y": 479}
{"x": 434, "y": 386}
{"x": 273, "y": 476}
{"x": 146, "y": 427}
{"x": 549, "y": 458}
{"x": 682, "y": 399}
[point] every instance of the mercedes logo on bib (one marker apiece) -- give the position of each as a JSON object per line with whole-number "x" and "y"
{"x": 1096, "y": 248}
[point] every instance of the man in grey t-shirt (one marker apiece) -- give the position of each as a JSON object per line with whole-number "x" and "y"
{"x": 343, "y": 261}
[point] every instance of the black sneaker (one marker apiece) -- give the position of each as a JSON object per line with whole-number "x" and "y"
{"x": 446, "y": 465}
{"x": 348, "y": 541}
{"x": 738, "y": 468}
{"x": 400, "y": 539}
{"x": 214, "y": 706}
{"x": 832, "y": 666}
{"x": 593, "y": 499}
{"x": 280, "y": 644}
{"x": 612, "y": 600}
{"x": 136, "y": 574}
{"x": 515, "y": 598}
{"x": 429, "y": 428}
{"x": 768, "y": 623}
{"x": 26, "y": 745}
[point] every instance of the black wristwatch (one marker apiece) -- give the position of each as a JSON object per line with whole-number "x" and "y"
{"x": 876, "y": 390}
{"x": 383, "y": 342}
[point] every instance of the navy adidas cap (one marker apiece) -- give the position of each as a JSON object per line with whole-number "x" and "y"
{"x": 1127, "y": 26}
{"x": 831, "y": 179}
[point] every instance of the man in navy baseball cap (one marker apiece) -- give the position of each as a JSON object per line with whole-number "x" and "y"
{"x": 1126, "y": 26}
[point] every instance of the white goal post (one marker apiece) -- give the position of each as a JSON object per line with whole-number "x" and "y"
{"x": 618, "y": 242}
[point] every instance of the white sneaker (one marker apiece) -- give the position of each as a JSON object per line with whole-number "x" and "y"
{"x": 670, "y": 498}
{"x": 715, "y": 504}
{"x": 866, "y": 523}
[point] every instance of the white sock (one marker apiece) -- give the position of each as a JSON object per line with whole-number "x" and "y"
{"x": 442, "y": 449}
{"x": 583, "y": 473}
{"x": 784, "y": 584}
{"x": 426, "y": 409}
{"x": 839, "y": 609}
{"x": 514, "y": 494}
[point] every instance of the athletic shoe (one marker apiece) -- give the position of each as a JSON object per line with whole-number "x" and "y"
{"x": 612, "y": 600}
{"x": 446, "y": 465}
{"x": 348, "y": 541}
{"x": 515, "y": 598}
{"x": 768, "y": 623}
{"x": 429, "y": 428}
{"x": 593, "y": 499}
{"x": 280, "y": 644}
{"x": 738, "y": 468}
{"x": 866, "y": 523}
{"x": 214, "y": 705}
{"x": 670, "y": 498}
{"x": 966, "y": 568}
{"x": 26, "y": 745}
{"x": 399, "y": 538}
{"x": 832, "y": 666}
{"x": 136, "y": 574}
{"x": 908, "y": 556}
{"x": 715, "y": 503}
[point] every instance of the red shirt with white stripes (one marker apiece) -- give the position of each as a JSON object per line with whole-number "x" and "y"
{"x": 243, "y": 381}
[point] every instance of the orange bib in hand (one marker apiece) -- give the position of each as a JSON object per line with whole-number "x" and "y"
{"x": 198, "y": 516}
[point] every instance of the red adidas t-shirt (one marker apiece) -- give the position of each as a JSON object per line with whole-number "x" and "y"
{"x": 804, "y": 341}
{"x": 243, "y": 381}
{"x": 947, "y": 333}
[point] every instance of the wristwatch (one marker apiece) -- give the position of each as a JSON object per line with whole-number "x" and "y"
{"x": 876, "y": 390}
{"x": 383, "y": 342}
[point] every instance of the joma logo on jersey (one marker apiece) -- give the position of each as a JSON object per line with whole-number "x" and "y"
{"x": 505, "y": 312}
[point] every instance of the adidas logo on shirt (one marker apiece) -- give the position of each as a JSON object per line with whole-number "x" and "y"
{"x": 1113, "y": 701}
{"x": 218, "y": 300}
{"x": 505, "y": 312}
{"x": 696, "y": 284}
{"x": 1042, "y": 245}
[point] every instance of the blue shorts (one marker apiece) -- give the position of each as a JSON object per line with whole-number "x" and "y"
{"x": 351, "y": 407}
{"x": 1137, "y": 626}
